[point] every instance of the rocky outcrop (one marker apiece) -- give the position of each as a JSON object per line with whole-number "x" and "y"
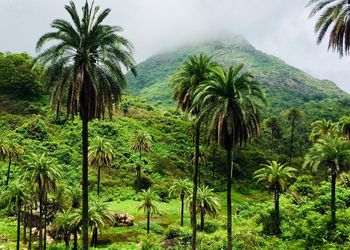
{"x": 123, "y": 220}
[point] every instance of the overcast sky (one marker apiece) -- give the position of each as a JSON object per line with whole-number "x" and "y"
{"x": 278, "y": 27}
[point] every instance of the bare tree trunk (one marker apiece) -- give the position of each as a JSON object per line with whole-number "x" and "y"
{"x": 202, "y": 221}
{"x": 25, "y": 220}
{"x": 182, "y": 208}
{"x": 45, "y": 221}
{"x": 229, "y": 198}
{"x": 148, "y": 219}
{"x": 40, "y": 219}
{"x": 85, "y": 184}
{"x": 18, "y": 206}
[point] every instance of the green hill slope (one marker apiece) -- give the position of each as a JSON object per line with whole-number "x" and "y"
{"x": 285, "y": 85}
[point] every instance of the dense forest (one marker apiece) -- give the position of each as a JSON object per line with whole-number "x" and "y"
{"x": 214, "y": 145}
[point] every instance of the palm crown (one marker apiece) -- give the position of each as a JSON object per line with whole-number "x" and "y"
{"x": 85, "y": 64}
{"x": 101, "y": 153}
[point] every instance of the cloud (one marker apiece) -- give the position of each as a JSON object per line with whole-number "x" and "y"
{"x": 281, "y": 28}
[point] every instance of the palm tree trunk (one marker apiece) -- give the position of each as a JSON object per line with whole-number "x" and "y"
{"x": 93, "y": 242}
{"x": 30, "y": 228}
{"x": 229, "y": 198}
{"x": 85, "y": 183}
{"x": 40, "y": 219}
{"x": 18, "y": 224}
{"x": 277, "y": 212}
{"x": 138, "y": 177}
{"x": 202, "y": 221}
{"x": 45, "y": 221}
{"x": 333, "y": 209}
{"x": 75, "y": 244}
{"x": 25, "y": 219}
{"x": 195, "y": 186}
{"x": 148, "y": 219}
{"x": 182, "y": 209}
{"x": 66, "y": 240}
{"x": 98, "y": 181}
{"x": 8, "y": 172}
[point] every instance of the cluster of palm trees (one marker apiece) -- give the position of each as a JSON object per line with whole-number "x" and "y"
{"x": 225, "y": 103}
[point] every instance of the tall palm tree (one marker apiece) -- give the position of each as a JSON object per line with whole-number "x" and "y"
{"x": 333, "y": 153}
{"x": 140, "y": 142}
{"x": 148, "y": 205}
{"x": 333, "y": 18}
{"x": 63, "y": 223}
{"x": 276, "y": 176}
{"x": 193, "y": 72}
{"x": 9, "y": 151}
{"x": 85, "y": 67}
{"x": 44, "y": 172}
{"x": 274, "y": 125}
{"x": 17, "y": 194}
{"x": 229, "y": 103}
{"x": 207, "y": 203}
{"x": 344, "y": 126}
{"x": 322, "y": 128}
{"x": 181, "y": 188}
{"x": 100, "y": 155}
{"x": 293, "y": 115}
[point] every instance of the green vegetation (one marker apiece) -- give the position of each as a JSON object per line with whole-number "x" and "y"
{"x": 255, "y": 185}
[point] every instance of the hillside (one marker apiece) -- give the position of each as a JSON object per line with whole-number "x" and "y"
{"x": 282, "y": 82}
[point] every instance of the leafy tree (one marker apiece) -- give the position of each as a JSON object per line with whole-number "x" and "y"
{"x": 45, "y": 172}
{"x": 333, "y": 153}
{"x": 140, "y": 142}
{"x": 274, "y": 125}
{"x": 344, "y": 126}
{"x": 100, "y": 155}
{"x": 63, "y": 222}
{"x": 85, "y": 67}
{"x": 322, "y": 128}
{"x": 16, "y": 194}
{"x": 293, "y": 115}
{"x": 124, "y": 106}
{"x": 148, "y": 205}
{"x": 193, "y": 72}
{"x": 207, "y": 203}
{"x": 181, "y": 188}
{"x": 276, "y": 176}
{"x": 333, "y": 18}
{"x": 229, "y": 107}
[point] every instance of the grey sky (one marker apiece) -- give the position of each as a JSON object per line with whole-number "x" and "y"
{"x": 278, "y": 27}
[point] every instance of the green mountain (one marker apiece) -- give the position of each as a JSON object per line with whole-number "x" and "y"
{"x": 285, "y": 86}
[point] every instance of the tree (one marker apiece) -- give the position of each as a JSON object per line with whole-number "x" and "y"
{"x": 16, "y": 194}
{"x": 274, "y": 125}
{"x": 140, "y": 142}
{"x": 84, "y": 67}
{"x": 100, "y": 155}
{"x": 276, "y": 176}
{"x": 207, "y": 203}
{"x": 333, "y": 18}
{"x": 100, "y": 215}
{"x": 344, "y": 126}
{"x": 229, "y": 107}
{"x": 63, "y": 222}
{"x": 45, "y": 172}
{"x": 181, "y": 188}
{"x": 293, "y": 115}
{"x": 322, "y": 128}
{"x": 9, "y": 151}
{"x": 333, "y": 153}
{"x": 193, "y": 72}
{"x": 148, "y": 205}
{"x": 124, "y": 106}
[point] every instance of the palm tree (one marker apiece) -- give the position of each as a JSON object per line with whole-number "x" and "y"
{"x": 63, "y": 222}
{"x": 9, "y": 151}
{"x": 85, "y": 67}
{"x": 334, "y": 18}
{"x": 100, "y": 154}
{"x": 229, "y": 103}
{"x": 293, "y": 115}
{"x": 17, "y": 194}
{"x": 276, "y": 176}
{"x": 45, "y": 172}
{"x": 100, "y": 215}
{"x": 344, "y": 126}
{"x": 322, "y": 128}
{"x": 181, "y": 188}
{"x": 140, "y": 142}
{"x": 193, "y": 72}
{"x": 148, "y": 205}
{"x": 124, "y": 106}
{"x": 207, "y": 203}
{"x": 274, "y": 125}
{"x": 333, "y": 153}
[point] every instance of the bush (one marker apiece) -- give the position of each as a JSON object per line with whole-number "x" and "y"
{"x": 154, "y": 227}
{"x": 183, "y": 233}
{"x": 213, "y": 226}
